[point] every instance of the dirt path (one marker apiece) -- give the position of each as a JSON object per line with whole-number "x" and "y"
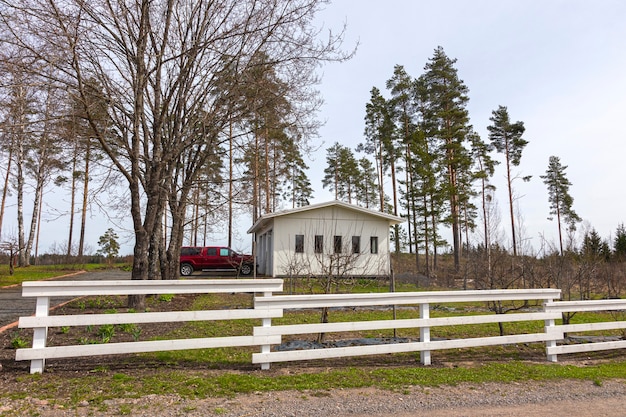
{"x": 531, "y": 399}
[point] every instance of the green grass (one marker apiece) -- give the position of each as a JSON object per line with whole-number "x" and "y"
{"x": 203, "y": 384}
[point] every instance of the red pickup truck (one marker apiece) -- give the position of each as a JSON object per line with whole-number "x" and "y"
{"x": 215, "y": 258}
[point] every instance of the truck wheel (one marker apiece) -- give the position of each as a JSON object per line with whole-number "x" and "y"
{"x": 186, "y": 269}
{"x": 246, "y": 269}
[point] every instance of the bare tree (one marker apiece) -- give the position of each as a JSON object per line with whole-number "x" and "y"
{"x": 158, "y": 63}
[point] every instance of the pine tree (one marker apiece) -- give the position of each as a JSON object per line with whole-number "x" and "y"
{"x": 594, "y": 247}
{"x": 446, "y": 120}
{"x": 400, "y": 85}
{"x": 484, "y": 167}
{"x": 341, "y": 173}
{"x": 378, "y": 130}
{"x": 366, "y": 193}
{"x": 109, "y": 247}
{"x": 619, "y": 243}
{"x": 558, "y": 195}
{"x": 506, "y": 138}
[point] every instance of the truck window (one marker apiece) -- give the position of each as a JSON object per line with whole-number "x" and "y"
{"x": 211, "y": 251}
{"x": 224, "y": 252}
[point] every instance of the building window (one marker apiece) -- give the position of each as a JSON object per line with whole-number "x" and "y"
{"x": 299, "y": 243}
{"x": 374, "y": 244}
{"x": 319, "y": 244}
{"x": 337, "y": 244}
{"x": 356, "y": 244}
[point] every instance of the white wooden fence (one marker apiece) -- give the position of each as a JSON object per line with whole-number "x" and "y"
{"x": 553, "y": 350}
{"x": 43, "y": 290}
{"x": 423, "y": 300}
{"x": 270, "y": 306}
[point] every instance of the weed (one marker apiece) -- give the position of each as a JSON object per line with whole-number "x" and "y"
{"x": 597, "y": 382}
{"x": 65, "y": 329}
{"x": 106, "y": 332}
{"x": 219, "y": 410}
{"x": 17, "y": 342}
{"x": 166, "y": 297}
{"x": 127, "y": 327}
{"x": 125, "y": 410}
{"x": 132, "y": 329}
{"x": 136, "y": 333}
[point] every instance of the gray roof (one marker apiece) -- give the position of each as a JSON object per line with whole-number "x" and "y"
{"x": 264, "y": 219}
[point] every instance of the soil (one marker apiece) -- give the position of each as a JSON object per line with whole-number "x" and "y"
{"x": 559, "y": 398}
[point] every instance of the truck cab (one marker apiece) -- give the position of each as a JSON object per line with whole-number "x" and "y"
{"x": 213, "y": 258}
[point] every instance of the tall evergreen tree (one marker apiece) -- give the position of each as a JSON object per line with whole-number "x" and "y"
{"x": 297, "y": 184}
{"x": 366, "y": 192}
{"x": 558, "y": 195}
{"x": 594, "y": 247}
{"x": 446, "y": 119}
{"x": 341, "y": 173}
{"x": 619, "y": 243}
{"x": 506, "y": 137}
{"x": 378, "y": 138}
{"x": 400, "y": 85}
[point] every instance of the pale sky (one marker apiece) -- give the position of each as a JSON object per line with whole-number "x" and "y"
{"x": 558, "y": 66}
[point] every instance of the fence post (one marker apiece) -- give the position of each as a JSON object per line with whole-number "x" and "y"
{"x": 40, "y": 334}
{"x": 425, "y": 333}
{"x": 549, "y": 326}
{"x": 267, "y": 322}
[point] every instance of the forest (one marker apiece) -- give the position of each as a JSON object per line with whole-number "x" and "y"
{"x": 183, "y": 116}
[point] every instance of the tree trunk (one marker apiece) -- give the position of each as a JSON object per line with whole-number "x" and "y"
{"x": 83, "y": 218}
{"x": 5, "y": 187}
{"x": 72, "y": 201}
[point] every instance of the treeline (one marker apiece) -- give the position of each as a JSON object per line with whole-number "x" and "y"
{"x": 596, "y": 268}
{"x": 421, "y": 159}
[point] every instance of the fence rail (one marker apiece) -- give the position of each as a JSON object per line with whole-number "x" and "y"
{"x": 553, "y": 349}
{"x": 269, "y": 305}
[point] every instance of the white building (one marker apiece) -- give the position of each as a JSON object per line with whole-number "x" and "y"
{"x": 333, "y": 238}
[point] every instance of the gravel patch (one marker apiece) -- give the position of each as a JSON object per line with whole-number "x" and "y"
{"x": 557, "y": 398}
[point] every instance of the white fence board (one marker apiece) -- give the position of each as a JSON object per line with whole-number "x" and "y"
{"x": 399, "y": 298}
{"x": 293, "y": 329}
{"x": 312, "y": 354}
{"x": 56, "y": 352}
{"x": 586, "y": 305}
{"x": 593, "y": 327}
{"x": 586, "y": 347}
{"x": 137, "y": 287}
{"x": 142, "y": 318}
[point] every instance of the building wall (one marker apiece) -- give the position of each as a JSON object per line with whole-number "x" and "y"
{"x": 330, "y": 222}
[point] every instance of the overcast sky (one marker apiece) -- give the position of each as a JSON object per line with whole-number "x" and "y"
{"x": 559, "y": 67}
